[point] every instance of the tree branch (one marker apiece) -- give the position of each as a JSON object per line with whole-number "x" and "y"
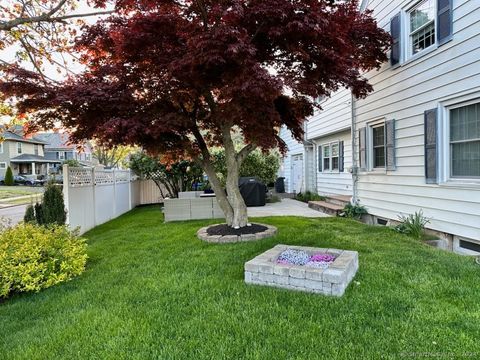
{"x": 46, "y": 17}
{"x": 246, "y": 150}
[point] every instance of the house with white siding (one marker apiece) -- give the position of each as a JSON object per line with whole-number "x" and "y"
{"x": 416, "y": 137}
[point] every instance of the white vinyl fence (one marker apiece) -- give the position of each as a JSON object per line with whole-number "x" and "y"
{"x": 93, "y": 196}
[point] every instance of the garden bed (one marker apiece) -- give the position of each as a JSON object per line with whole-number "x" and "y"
{"x": 317, "y": 270}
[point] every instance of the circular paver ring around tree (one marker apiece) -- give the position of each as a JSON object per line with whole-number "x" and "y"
{"x": 202, "y": 234}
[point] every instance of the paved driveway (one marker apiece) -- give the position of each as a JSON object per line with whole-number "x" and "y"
{"x": 287, "y": 207}
{"x": 13, "y": 213}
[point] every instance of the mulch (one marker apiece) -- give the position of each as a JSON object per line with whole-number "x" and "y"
{"x": 224, "y": 229}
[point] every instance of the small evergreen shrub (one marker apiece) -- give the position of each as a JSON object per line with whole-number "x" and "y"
{"x": 38, "y": 209}
{"x": 29, "y": 216}
{"x": 412, "y": 225}
{"x": 9, "y": 180}
{"x": 354, "y": 211}
{"x": 309, "y": 196}
{"x": 36, "y": 257}
{"x": 53, "y": 207}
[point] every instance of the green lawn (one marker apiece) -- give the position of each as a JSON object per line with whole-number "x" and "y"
{"x": 153, "y": 291}
{"x": 14, "y": 191}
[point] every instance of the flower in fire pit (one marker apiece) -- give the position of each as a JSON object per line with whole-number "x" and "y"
{"x": 300, "y": 257}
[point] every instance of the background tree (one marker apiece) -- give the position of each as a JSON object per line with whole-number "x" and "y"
{"x": 170, "y": 178}
{"x": 112, "y": 157}
{"x": 72, "y": 163}
{"x": 37, "y": 30}
{"x": 180, "y": 78}
{"x": 9, "y": 180}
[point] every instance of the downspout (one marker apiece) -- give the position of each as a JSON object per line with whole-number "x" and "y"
{"x": 312, "y": 144}
{"x": 354, "y": 169}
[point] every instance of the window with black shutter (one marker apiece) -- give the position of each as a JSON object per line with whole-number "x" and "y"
{"x": 431, "y": 146}
{"x": 390, "y": 144}
{"x": 444, "y": 21}
{"x": 395, "y": 31}
{"x": 362, "y": 147}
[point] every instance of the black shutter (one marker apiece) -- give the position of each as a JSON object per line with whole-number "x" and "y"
{"x": 395, "y": 31}
{"x": 431, "y": 146}
{"x": 390, "y": 144}
{"x": 341, "y": 165}
{"x": 319, "y": 160}
{"x": 444, "y": 21}
{"x": 362, "y": 146}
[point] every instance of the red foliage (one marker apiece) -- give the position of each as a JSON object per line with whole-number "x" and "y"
{"x": 157, "y": 72}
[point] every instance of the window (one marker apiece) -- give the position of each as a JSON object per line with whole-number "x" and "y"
{"x": 330, "y": 157}
{"x": 87, "y": 157}
{"x": 424, "y": 24}
{"x": 378, "y": 146}
{"x": 465, "y": 141}
{"x": 61, "y": 155}
{"x": 35, "y": 149}
{"x": 19, "y": 147}
{"x": 3, "y": 165}
{"x": 421, "y": 21}
{"x": 326, "y": 157}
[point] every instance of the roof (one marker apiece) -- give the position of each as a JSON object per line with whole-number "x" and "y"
{"x": 29, "y": 158}
{"x": 9, "y": 135}
{"x": 56, "y": 140}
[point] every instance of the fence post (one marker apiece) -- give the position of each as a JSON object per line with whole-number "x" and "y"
{"x": 130, "y": 184}
{"x": 94, "y": 201}
{"x": 114, "y": 194}
{"x": 66, "y": 195}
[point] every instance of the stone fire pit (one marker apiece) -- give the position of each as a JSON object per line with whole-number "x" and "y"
{"x": 331, "y": 279}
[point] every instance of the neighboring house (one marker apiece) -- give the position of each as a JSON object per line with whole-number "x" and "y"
{"x": 59, "y": 148}
{"x": 417, "y": 136}
{"x": 25, "y": 155}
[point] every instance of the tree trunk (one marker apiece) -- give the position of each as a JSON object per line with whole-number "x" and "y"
{"x": 231, "y": 202}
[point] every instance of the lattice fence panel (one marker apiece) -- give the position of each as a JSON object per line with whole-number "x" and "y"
{"x": 104, "y": 177}
{"x": 80, "y": 177}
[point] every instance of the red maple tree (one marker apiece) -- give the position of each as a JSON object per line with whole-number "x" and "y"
{"x": 179, "y": 77}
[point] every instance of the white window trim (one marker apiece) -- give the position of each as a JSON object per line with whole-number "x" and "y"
{"x": 19, "y": 148}
{"x": 1, "y": 147}
{"x": 406, "y": 55}
{"x": 369, "y": 147}
{"x": 4, "y": 165}
{"x": 443, "y": 138}
{"x": 330, "y": 170}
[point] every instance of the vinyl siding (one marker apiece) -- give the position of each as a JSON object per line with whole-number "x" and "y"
{"x": 334, "y": 116}
{"x": 335, "y": 183}
{"x": 403, "y": 93}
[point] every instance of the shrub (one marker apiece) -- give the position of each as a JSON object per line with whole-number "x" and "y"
{"x": 309, "y": 196}
{"x": 53, "y": 207}
{"x": 9, "y": 180}
{"x": 29, "y": 214}
{"x": 354, "y": 211}
{"x": 263, "y": 166}
{"x": 35, "y": 257}
{"x": 412, "y": 225}
{"x": 38, "y": 209}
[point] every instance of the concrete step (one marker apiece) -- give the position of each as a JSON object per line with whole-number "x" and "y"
{"x": 326, "y": 207}
{"x": 340, "y": 200}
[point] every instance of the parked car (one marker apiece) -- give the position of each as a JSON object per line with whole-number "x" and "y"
{"x": 22, "y": 180}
